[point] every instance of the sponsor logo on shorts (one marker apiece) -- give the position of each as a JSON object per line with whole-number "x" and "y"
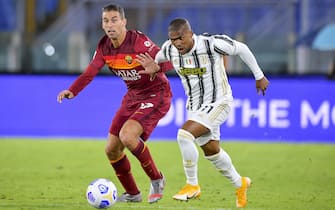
{"x": 146, "y": 105}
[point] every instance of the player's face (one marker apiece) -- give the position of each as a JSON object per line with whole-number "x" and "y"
{"x": 113, "y": 25}
{"x": 182, "y": 40}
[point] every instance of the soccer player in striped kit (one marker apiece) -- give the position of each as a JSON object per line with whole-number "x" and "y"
{"x": 147, "y": 100}
{"x": 198, "y": 60}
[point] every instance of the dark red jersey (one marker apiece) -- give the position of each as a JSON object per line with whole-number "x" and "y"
{"x": 121, "y": 61}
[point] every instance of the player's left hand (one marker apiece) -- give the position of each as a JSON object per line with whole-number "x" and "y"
{"x": 150, "y": 66}
{"x": 262, "y": 85}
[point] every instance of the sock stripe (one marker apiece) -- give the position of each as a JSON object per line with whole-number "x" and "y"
{"x": 140, "y": 148}
{"x": 118, "y": 159}
{"x": 144, "y": 147}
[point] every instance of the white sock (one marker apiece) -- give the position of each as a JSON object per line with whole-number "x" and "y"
{"x": 224, "y": 165}
{"x": 190, "y": 156}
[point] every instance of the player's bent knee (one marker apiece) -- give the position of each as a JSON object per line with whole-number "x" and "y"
{"x": 184, "y": 135}
{"x": 188, "y": 148}
{"x": 129, "y": 139}
{"x": 109, "y": 150}
{"x": 113, "y": 150}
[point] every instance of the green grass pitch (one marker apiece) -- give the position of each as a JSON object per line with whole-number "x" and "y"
{"x": 54, "y": 174}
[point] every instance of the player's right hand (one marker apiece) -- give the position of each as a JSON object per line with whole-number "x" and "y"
{"x": 64, "y": 94}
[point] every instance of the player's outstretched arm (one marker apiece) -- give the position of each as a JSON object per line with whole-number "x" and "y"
{"x": 64, "y": 94}
{"x": 261, "y": 85}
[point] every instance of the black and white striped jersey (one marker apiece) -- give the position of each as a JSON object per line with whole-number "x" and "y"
{"x": 202, "y": 70}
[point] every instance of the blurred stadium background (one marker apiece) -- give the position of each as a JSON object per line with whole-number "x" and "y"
{"x": 290, "y": 39}
{"x": 59, "y": 36}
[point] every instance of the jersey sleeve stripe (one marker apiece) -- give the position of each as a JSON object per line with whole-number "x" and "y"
{"x": 218, "y": 50}
{"x": 225, "y": 38}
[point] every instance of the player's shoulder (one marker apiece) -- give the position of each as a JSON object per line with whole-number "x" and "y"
{"x": 218, "y": 38}
{"x": 103, "y": 41}
{"x": 214, "y": 36}
{"x": 141, "y": 41}
{"x": 166, "y": 44}
{"x": 138, "y": 35}
{"x": 205, "y": 37}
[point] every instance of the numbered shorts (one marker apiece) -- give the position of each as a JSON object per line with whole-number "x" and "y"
{"x": 212, "y": 116}
{"x": 147, "y": 112}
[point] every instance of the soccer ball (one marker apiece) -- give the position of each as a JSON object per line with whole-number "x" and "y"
{"x": 101, "y": 193}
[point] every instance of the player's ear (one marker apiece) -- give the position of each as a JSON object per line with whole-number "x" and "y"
{"x": 125, "y": 22}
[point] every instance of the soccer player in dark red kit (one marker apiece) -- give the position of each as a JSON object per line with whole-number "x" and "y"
{"x": 147, "y": 100}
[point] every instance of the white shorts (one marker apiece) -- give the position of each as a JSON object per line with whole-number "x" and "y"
{"x": 211, "y": 116}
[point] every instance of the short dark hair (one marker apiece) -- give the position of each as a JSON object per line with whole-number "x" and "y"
{"x": 178, "y": 23}
{"x": 114, "y": 7}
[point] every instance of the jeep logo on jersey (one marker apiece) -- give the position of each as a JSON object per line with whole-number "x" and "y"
{"x": 128, "y": 59}
{"x": 192, "y": 71}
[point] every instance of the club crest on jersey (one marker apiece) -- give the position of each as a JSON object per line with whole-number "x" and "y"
{"x": 128, "y": 59}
